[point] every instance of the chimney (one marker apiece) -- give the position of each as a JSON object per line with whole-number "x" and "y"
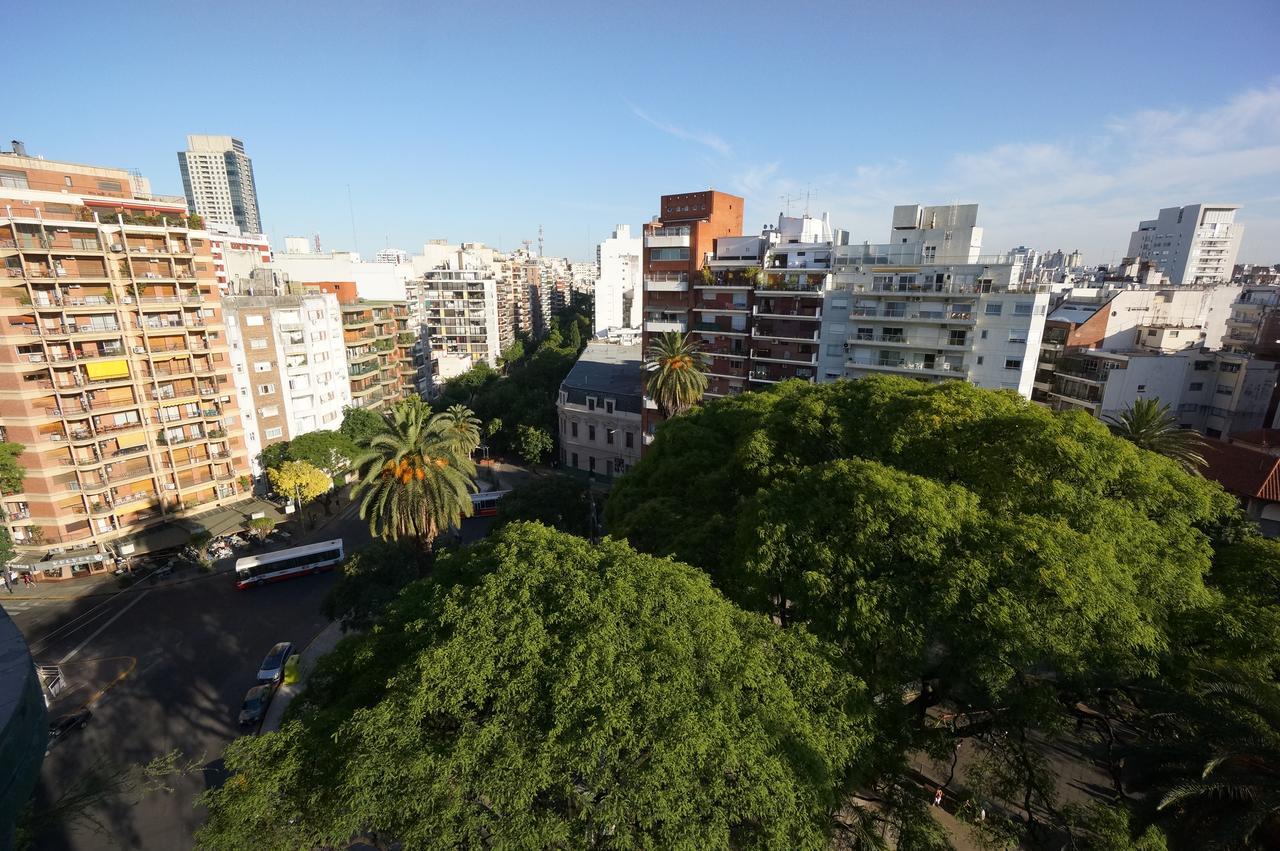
{"x": 19, "y": 148}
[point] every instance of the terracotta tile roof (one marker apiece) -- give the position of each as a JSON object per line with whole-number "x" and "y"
{"x": 1242, "y": 471}
{"x": 1267, "y": 437}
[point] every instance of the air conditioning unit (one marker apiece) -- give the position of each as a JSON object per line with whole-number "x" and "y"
{"x": 139, "y": 350}
{"x": 170, "y": 486}
{"x": 117, "y": 247}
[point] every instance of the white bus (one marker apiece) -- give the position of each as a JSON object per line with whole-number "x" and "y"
{"x": 288, "y": 564}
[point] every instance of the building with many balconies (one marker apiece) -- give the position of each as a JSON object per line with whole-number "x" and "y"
{"x": 114, "y": 367}
{"x": 1196, "y": 244}
{"x": 380, "y": 361}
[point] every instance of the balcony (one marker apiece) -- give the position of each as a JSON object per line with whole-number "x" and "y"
{"x": 909, "y": 341}
{"x": 666, "y": 282}
{"x": 659, "y": 326}
{"x": 773, "y": 310}
{"x": 798, "y": 282}
{"x": 790, "y": 334}
{"x": 785, "y": 356}
{"x": 947, "y": 316}
{"x": 717, "y": 329}
{"x": 669, "y": 237}
{"x": 909, "y": 367}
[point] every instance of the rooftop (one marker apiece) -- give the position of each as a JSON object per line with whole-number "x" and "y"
{"x": 1241, "y": 471}
{"x": 607, "y": 368}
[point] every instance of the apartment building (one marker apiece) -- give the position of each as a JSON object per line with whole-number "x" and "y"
{"x": 217, "y": 177}
{"x": 1196, "y": 244}
{"x": 1219, "y": 393}
{"x": 617, "y": 286}
{"x": 379, "y": 354}
{"x": 114, "y": 367}
{"x": 600, "y": 407}
{"x": 288, "y": 354}
{"x": 458, "y": 297}
{"x": 239, "y": 260}
{"x": 676, "y": 247}
{"x": 928, "y": 305}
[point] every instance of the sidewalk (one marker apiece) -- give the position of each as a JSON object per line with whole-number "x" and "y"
{"x": 319, "y": 646}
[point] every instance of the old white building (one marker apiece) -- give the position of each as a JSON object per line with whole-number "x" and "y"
{"x": 600, "y": 406}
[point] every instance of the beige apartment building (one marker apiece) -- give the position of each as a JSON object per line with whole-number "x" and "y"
{"x": 114, "y": 368}
{"x": 380, "y": 352}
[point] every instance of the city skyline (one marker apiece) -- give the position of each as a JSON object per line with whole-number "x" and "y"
{"x": 435, "y": 143}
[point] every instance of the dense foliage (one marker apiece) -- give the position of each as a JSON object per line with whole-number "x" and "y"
{"x": 675, "y": 372}
{"x": 524, "y": 394}
{"x": 540, "y": 692}
{"x": 561, "y": 502}
{"x": 968, "y": 552}
{"x": 1150, "y": 424}
{"x": 11, "y": 472}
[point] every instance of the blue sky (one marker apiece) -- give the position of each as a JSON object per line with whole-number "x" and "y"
{"x": 482, "y": 121}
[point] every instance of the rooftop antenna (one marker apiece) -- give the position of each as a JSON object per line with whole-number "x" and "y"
{"x": 806, "y": 202}
{"x": 539, "y": 242}
{"x": 317, "y": 241}
{"x": 786, "y": 203}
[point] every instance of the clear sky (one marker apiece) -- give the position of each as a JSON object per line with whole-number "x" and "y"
{"x": 1067, "y": 122}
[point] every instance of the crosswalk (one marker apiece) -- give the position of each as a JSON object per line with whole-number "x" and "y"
{"x": 15, "y": 607}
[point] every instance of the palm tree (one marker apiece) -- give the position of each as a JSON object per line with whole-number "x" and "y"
{"x": 1237, "y": 793}
{"x": 1150, "y": 425}
{"x": 414, "y": 482}
{"x": 462, "y": 428}
{"x": 676, "y": 368}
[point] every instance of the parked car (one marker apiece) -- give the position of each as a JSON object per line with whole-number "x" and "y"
{"x": 60, "y": 728}
{"x": 255, "y": 704}
{"x": 272, "y": 669}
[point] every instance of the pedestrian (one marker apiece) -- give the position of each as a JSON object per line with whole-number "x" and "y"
{"x": 8, "y": 582}
{"x": 26, "y": 579}
{"x": 937, "y": 797}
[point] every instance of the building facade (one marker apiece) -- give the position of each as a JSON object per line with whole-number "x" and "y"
{"x": 217, "y": 177}
{"x": 290, "y": 366}
{"x": 114, "y": 368}
{"x": 1196, "y": 244}
{"x": 379, "y": 353}
{"x": 600, "y": 407}
{"x": 617, "y": 288}
{"x": 458, "y": 299}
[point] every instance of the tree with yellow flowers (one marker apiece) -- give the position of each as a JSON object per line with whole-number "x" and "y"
{"x": 415, "y": 480}
{"x": 299, "y": 481}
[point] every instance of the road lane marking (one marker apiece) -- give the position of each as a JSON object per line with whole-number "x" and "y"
{"x": 74, "y": 623}
{"x": 127, "y": 606}
{"x": 97, "y": 695}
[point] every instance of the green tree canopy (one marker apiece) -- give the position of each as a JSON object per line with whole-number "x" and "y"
{"x": 1150, "y": 424}
{"x": 533, "y": 443}
{"x": 676, "y": 371}
{"x": 11, "y": 472}
{"x": 361, "y": 424}
{"x": 331, "y": 451}
{"x": 541, "y": 692}
{"x": 560, "y": 502}
{"x": 369, "y": 580}
{"x": 273, "y": 455}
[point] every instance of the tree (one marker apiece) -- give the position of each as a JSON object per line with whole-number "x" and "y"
{"x": 677, "y": 372}
{"x": 413, "y": 481}
{"x": 331, "y": 451}
{"x": 512, "y": 354}
{"x": 361, "y": 424}
{"x": 492, "y": 427}
{"x": 300, "y": 481}
{"x": 11, "y": 472}
{"x": 369, "y": 580}
{"x": 461, "y": 428}
{"x": 260, "y": 527}
{"x": 273, "y": 455}
{"x": 6, "y": 548}
{"x": 1150, "y": 425}
{"x": 533, "y": 443}
{"x": 573, "y": 340}
{"x": 539, "y": 691}
{"x": 560, "y": 502}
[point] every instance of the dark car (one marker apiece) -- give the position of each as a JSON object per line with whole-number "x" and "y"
{"x": 272, "y": 669}
{"x": 255, "y": 704}
{"x": 60, "y": 728}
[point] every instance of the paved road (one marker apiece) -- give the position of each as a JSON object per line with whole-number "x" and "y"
{"x": 175, "y": 660}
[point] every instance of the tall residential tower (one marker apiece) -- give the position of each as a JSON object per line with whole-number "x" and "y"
{"x": 217, "y": 177}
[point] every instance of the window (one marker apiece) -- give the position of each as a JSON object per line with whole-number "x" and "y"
{"x": 608, "y": 436}
{"x": 573, "y": 430}
{"x": 1151, "y": 332}
{"x": 1196, "y": 385}
{"x": 258, "y": 344}
{"x": 252, "y": 320}
{"x": 1019, "y": 336}
{"x": 1023, "y": 308}
{"x": 1013, "y": 363}
{"x": 591, "y": 433}
{"x": 608, "y": 407}
{"x": 979, "y": 360}
{"x": 956, "y": 338}
{"x": 1142, "y": 388}
{"x": 575, "y": 460}
{"x": 1229, "y": 367}
{"x": 274, "y": 432}
{"x": 984, "y": 335}
{"x": 591, "y": 403}
{"x": 262, "y": 366}
{"x": 66, "y": 181}
{"x": 266, "y": 389}
{"x": 661, "y": 254}
{"x": 1224, "y": 389}
{"x": 269, "y": 411}
{"x": 1203, "y": 365}
{"x": 835, "y": 349}
{"x": 591, "y": 463}
{"x": 994, "y": 308}
{"x": 630, "y": 440}
{"x": 13, "y": 179}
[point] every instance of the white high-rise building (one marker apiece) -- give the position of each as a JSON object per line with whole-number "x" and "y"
{"x": 928, "y": 305}
{"x": 458, "y": 298}
{"x": 618, "y": 284}
{"x": 217, "y": 177}
{"x": 1196, "y": 244}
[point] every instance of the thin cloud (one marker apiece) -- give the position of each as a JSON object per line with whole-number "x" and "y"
{"x": 710, "y": 140}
